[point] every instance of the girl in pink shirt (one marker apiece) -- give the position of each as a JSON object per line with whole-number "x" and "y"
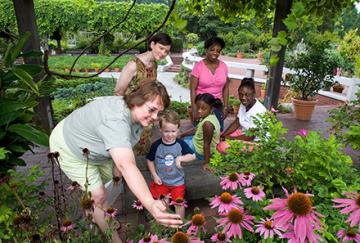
{"x": 210, "y": 75}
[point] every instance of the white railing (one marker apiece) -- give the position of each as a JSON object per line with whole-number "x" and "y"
{"x": 348, "y": 94}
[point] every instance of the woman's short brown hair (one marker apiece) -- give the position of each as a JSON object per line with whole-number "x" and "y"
{"x": 147, "y": 91}
{"x": 169, "y": 116}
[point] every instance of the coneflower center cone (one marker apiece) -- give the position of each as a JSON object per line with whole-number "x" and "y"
{"x": 351, "y": 233}
{"x": 180, "y": 237}
{"x": 255, "y": 190}
{"x": 221, "y": 236}
{"x": 67, "y": 223}
{"x": 235, "y": 216}
{"x": 110, "y": 210}
{"x": 268, "y": 225}
{"x": 198, "y": 219}
{"x": 358, "y": 200}
{"x": 226, "y": 197}
{"x": 233, "y": 177}
{"x": 179, "y": 200}
{"x": 299, "y": 203}
{"x": 147, "y": 239}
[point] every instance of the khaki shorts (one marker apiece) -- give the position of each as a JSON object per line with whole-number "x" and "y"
{"x": 74, "y": 167}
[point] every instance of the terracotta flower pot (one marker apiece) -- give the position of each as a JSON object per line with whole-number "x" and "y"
{"x": 338, "y": 88}
{"x": 303, "y": 109}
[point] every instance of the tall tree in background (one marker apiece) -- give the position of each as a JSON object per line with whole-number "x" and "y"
{"x": 26, "y": 21}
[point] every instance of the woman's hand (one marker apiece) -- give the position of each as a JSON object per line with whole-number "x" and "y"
{"x": 158, "y": 211}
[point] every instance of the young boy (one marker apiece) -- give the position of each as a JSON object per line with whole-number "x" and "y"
{"x": 164, "y": 161}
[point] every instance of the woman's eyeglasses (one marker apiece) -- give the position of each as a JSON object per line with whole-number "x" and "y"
{"x": 153, "y": 110}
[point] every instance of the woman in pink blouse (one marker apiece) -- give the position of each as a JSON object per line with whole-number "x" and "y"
{"x": 210, "y": 75}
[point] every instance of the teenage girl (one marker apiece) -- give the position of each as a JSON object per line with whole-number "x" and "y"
{"x": 207, "y": 131}
{"x": 250, "y": 107}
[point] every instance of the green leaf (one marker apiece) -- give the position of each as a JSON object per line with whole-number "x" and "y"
{"x": 31, "y": 69}
{"x": 26, "y": 78}
{"x": 273, "y": 60}
{"x": 3, "y": 152}
{"x": 298, "y": 9}
{"x": 9, "y": 106}
{"x": 19, "y": 46}
{"x": 274, "y": 44}
{"x": 290, "y": 23}
{"x": 6, "y": 119}
{"x": 31, "y": 54}
{"x": 180, "y": 24}
{"x": 2, "y": 134}
{"x": 339, "y": 184}
{"x": 30, "y": 133}
{"x": 282, "y": 38}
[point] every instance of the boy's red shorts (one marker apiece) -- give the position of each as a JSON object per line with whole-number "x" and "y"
{"x": 158, "y": 190}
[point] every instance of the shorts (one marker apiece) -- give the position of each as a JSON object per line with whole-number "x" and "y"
{"x": 75, "y": 168}
{"x": 188, "y": 141}
{"x": 175, "y": 191}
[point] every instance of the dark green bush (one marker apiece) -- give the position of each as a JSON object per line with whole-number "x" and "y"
{"x": 177, "y": 45}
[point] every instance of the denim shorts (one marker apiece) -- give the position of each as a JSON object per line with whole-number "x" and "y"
{"x": 188, "y": 141}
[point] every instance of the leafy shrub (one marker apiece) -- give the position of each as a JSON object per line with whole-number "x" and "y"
{"x": 177, "y": 45}
{"x": 200, "y": 49}
{"x": 180, "y": 108}
{"x": 308, "y": 163}
{"x": 18, "y": 94}
{"x": 183, "y": 77}
{"x": 347, "y": 130}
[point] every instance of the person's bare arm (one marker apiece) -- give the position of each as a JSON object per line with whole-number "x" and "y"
{"x": 194, "y": 82}
{"x": 188, "y": 132}
{"x": 153, "y": 173}
{"x": 225, "y": 98}
{"x": 231, "y": 128}
{"x": 208, "y": 133}
{"x": 125, "y": 161}
{"x": 125, "y": 77}
{"x": 184, "y": 158}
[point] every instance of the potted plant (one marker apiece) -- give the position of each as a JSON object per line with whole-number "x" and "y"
{"x": 313, "y": 68}
{"x": 338, "y": 87}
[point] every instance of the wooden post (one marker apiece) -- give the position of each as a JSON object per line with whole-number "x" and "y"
{"x": 25, "y": 17}
{"x": 283, "y": 8}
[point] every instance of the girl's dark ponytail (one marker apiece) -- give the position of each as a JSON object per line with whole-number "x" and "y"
{"x": 209, "y": 99}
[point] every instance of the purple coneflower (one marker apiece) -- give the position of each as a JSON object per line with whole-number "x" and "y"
{"x": 302, "y": 132}
{"x": 180, "y": 237}
{"x": 180, "y": 202}
{"x": 149, "y": 239}
{"x": 197, "y": 223}
{"x": 267, "y": 228}
{"x": 67, "y": 225}
{"x": 350, "y": 206}
{"x": 137, "y": 205}
{"x": 254, "y": 193}
{"x": 234, "y": 220}
{"x": 231, "y": 182}
{"x": 111, "y": 212}
{"x": 220, "y": 238}
{"x": 348, "y": 235}
{"x": 296, "y": 210}
{"x": 225, "y": 202}
{"x": 246, "y": 178}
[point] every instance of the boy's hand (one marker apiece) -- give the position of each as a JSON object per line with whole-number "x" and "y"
{"x": 157, "y": 180}
{"x": 178, "y": 162}
{"x": 207, "y": 168}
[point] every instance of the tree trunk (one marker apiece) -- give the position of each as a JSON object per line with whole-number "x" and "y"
{"x": 25, "y": 16}
{"x": 283, "y": 8}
